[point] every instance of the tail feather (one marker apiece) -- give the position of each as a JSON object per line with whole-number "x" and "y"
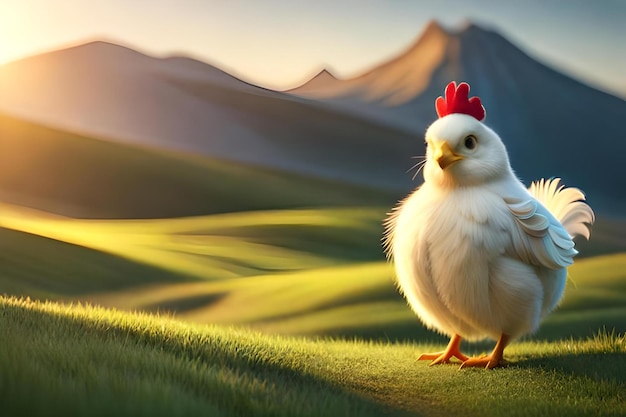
{"x": 566, "y": 204}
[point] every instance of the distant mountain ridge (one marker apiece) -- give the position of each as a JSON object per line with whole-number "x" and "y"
{"x": 552, "y": 124}
{"x": 393, "y": 82}
{"x": 113, "y": 91}
{"x": 361, "y": 130}
{"x": 178, "y": 103}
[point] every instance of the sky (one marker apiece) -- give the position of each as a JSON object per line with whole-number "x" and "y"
{"x": 280, "y": 44}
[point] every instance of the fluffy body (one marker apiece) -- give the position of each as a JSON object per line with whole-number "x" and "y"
{"x": 476, "y": 254}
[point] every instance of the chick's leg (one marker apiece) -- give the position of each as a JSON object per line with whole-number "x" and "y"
{"x": 444, "y": 357}
{"x": 493, "y": 360}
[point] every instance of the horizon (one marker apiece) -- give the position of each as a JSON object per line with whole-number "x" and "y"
{"x": 287, "y": 51}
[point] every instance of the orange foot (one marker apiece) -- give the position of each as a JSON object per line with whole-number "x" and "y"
{"x": 487, "y": 362}
{"x": 493, "y": 360}
{"x": 452, "y": 351}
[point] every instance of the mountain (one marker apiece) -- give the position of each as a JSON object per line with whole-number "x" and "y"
{"x": 552, "y": 124}
{"x": 387, "y": 92}
{"x": 362, "y": 130}
{"x": 111, "y": 92}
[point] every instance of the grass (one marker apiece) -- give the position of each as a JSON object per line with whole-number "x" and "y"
{"x": 360, "y": 300}
{"x": 136, "y": 364}
{"x": 315, "y": 272}
{"x": 277, "y": 275}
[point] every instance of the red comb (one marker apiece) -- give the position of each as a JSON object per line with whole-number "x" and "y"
{"x": 456, "y": 101}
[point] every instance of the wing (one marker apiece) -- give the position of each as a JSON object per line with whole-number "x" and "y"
{"x": 537, "y": 236}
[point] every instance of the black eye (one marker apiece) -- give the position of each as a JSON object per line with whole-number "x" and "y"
{"x": 470, "y": 142}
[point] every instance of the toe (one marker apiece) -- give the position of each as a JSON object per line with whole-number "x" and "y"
{"x": 428, "y": 356}
{"x": 439, "y": 360}
{"x": 487, "y": 362}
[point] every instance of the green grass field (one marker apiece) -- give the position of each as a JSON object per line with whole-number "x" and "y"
{"x": 81, "y": 360}
{"x": 313, "y": 272}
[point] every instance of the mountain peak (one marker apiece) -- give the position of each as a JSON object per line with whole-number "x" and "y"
{"x": 103, "y": 45}
{"x": 434, "y": 27}
{"x": 321, "y": 80}
{"x": 469, "y": 27}
{"x": 433, "y": 30}
{"x": 434, "y": 36}
{"x": 99, "y": 43}
{"x": 103, "y": 51}
{"x": 465, "y": 26}
{"x": 325, "y": 74}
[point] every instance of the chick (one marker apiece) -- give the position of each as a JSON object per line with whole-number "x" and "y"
{"x": 476, "y": 254}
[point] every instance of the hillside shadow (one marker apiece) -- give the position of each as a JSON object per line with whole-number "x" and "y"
{"x": 398, "y": 332}
{"x": 45, "y": 268}
{"x": 599, "y": 367}
{"x": 184, "y": 304}
{"x": 263, "y": 362}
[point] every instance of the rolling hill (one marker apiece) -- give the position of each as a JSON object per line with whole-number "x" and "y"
{"x": 315, "y": 272}
{"x": 79, "y": 176}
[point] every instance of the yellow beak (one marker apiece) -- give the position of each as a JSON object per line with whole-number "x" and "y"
{"x": 445, "y": 156}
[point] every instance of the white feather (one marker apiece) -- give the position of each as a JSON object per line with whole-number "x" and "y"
{"x": 566, "y": 204}
{"x": 475, "y": 253}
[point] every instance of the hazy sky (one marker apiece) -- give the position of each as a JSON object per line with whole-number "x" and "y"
{"x": 279, "y": 43}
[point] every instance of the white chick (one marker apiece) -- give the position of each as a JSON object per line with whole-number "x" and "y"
{"x": 476, "y": 254}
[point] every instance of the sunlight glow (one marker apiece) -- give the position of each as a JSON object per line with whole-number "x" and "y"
{"x": 282, "y": 44}
{"x": 12, "y": 34}
{"x": 29, "y": 27}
